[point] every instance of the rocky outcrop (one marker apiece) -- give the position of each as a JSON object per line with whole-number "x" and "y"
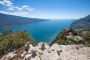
{"x": 56, "y": 52}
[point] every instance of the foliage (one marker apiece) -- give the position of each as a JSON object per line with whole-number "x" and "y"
{"x": 13, "y": 40}
{"x": 86, "y": 36}
{"x": 61, "y": 38}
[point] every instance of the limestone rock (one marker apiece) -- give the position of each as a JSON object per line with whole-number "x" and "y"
{"x": 44, "y": 52}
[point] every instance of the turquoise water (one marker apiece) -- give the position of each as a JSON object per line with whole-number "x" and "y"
{"x": 44, "y": 31}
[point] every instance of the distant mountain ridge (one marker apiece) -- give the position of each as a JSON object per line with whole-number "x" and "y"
{"x": 82, "y": 23}
{"x": 9, "y": 21}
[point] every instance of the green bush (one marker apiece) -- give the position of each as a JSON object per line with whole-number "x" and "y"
{"x": 61, "y": 38}
{"x": 13, "y": 40}
{"x": 86, "y": 36}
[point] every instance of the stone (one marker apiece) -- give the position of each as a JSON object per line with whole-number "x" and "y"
{"x": 27, "y": 57}
{"x": 30, "y": 48}
{"x": 10, "y": 55}
{"x": 45, "y": 56}
{"x": 44, "y": 52}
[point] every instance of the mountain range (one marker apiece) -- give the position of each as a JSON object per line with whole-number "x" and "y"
{"x": 9, "y": 21}
{"x": 82, "y": 23}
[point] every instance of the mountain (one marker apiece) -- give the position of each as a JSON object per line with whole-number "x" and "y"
{"x": 9, "y": 21}
{"x": 82, "y": 23}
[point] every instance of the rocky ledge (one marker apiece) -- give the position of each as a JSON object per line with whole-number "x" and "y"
{"x": 45, "y": 52}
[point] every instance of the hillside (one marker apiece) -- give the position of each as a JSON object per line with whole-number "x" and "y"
{"x": 79, "y": 30}
{"x": 83, "y": 23}
{"x": 9, "y": 21}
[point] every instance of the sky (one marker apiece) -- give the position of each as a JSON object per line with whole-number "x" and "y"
{"x": 46, "y": 9}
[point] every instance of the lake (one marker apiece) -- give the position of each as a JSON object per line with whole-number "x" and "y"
{"x": 45, "y": 31}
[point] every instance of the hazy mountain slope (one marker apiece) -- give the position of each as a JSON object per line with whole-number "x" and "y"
{"x": 11, "y": 21}
{"x": 83, "y": 23}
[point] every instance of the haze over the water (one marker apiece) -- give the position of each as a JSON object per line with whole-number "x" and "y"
{"x": 46, "y": 9}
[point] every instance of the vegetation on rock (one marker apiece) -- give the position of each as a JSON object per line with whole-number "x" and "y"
{"x": 10, "y": 41}
{"x": 67, "y": 37}
{"x": 86, "y": 35}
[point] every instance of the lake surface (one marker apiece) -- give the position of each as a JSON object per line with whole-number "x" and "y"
{"x": 44, "y": 31}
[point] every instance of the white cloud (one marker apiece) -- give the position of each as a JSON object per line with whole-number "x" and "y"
{"x": 23, "y": 10}
{"x": 24, "y": 7}
{"x": 27, "y": 7}
{"x": 10, "y": 8}
{"x": 6, "y": 3}
{"x": 4, "y": 12}
{"x": 18, "y": 13}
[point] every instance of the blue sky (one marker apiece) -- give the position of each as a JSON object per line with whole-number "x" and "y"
{"x": 46, "y": 9}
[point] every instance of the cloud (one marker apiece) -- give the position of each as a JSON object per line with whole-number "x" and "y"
{"x": 10, "y": 8}
{"x": 6, "y": 3}
{"x": 18, "y": 13}
{"x": 27, "y": 7}
{"x": 4, "y": 12}
{"x": 23, "y": 10}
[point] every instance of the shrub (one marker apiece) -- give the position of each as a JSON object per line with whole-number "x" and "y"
{"x": 63, "y": 40}
{"x": 14, "y": 40}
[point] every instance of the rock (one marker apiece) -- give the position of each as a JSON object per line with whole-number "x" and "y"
{"x": 30, "y": 48}
{"x": 55, "y": 47}
{"x": 27, "y": 57}
{"x": 45, "y": 56}
{"x": 65, "y": 55}
{"x": 54, "y": 55}
{"x": 40, "y": 49}
{"x": 33, "y": 55}
{"x": 86, "y": 50}
{"x": 67, "y": 47}
{"x": 55, "y": 52}
{"x": 44, "y": 52}
{"x": 82, "y": 57}
{"x": 23, "y": 54}
{"x": 73, "y": 58}
{"x": 10, "y": 55}
{"x": 35, "y": 58}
